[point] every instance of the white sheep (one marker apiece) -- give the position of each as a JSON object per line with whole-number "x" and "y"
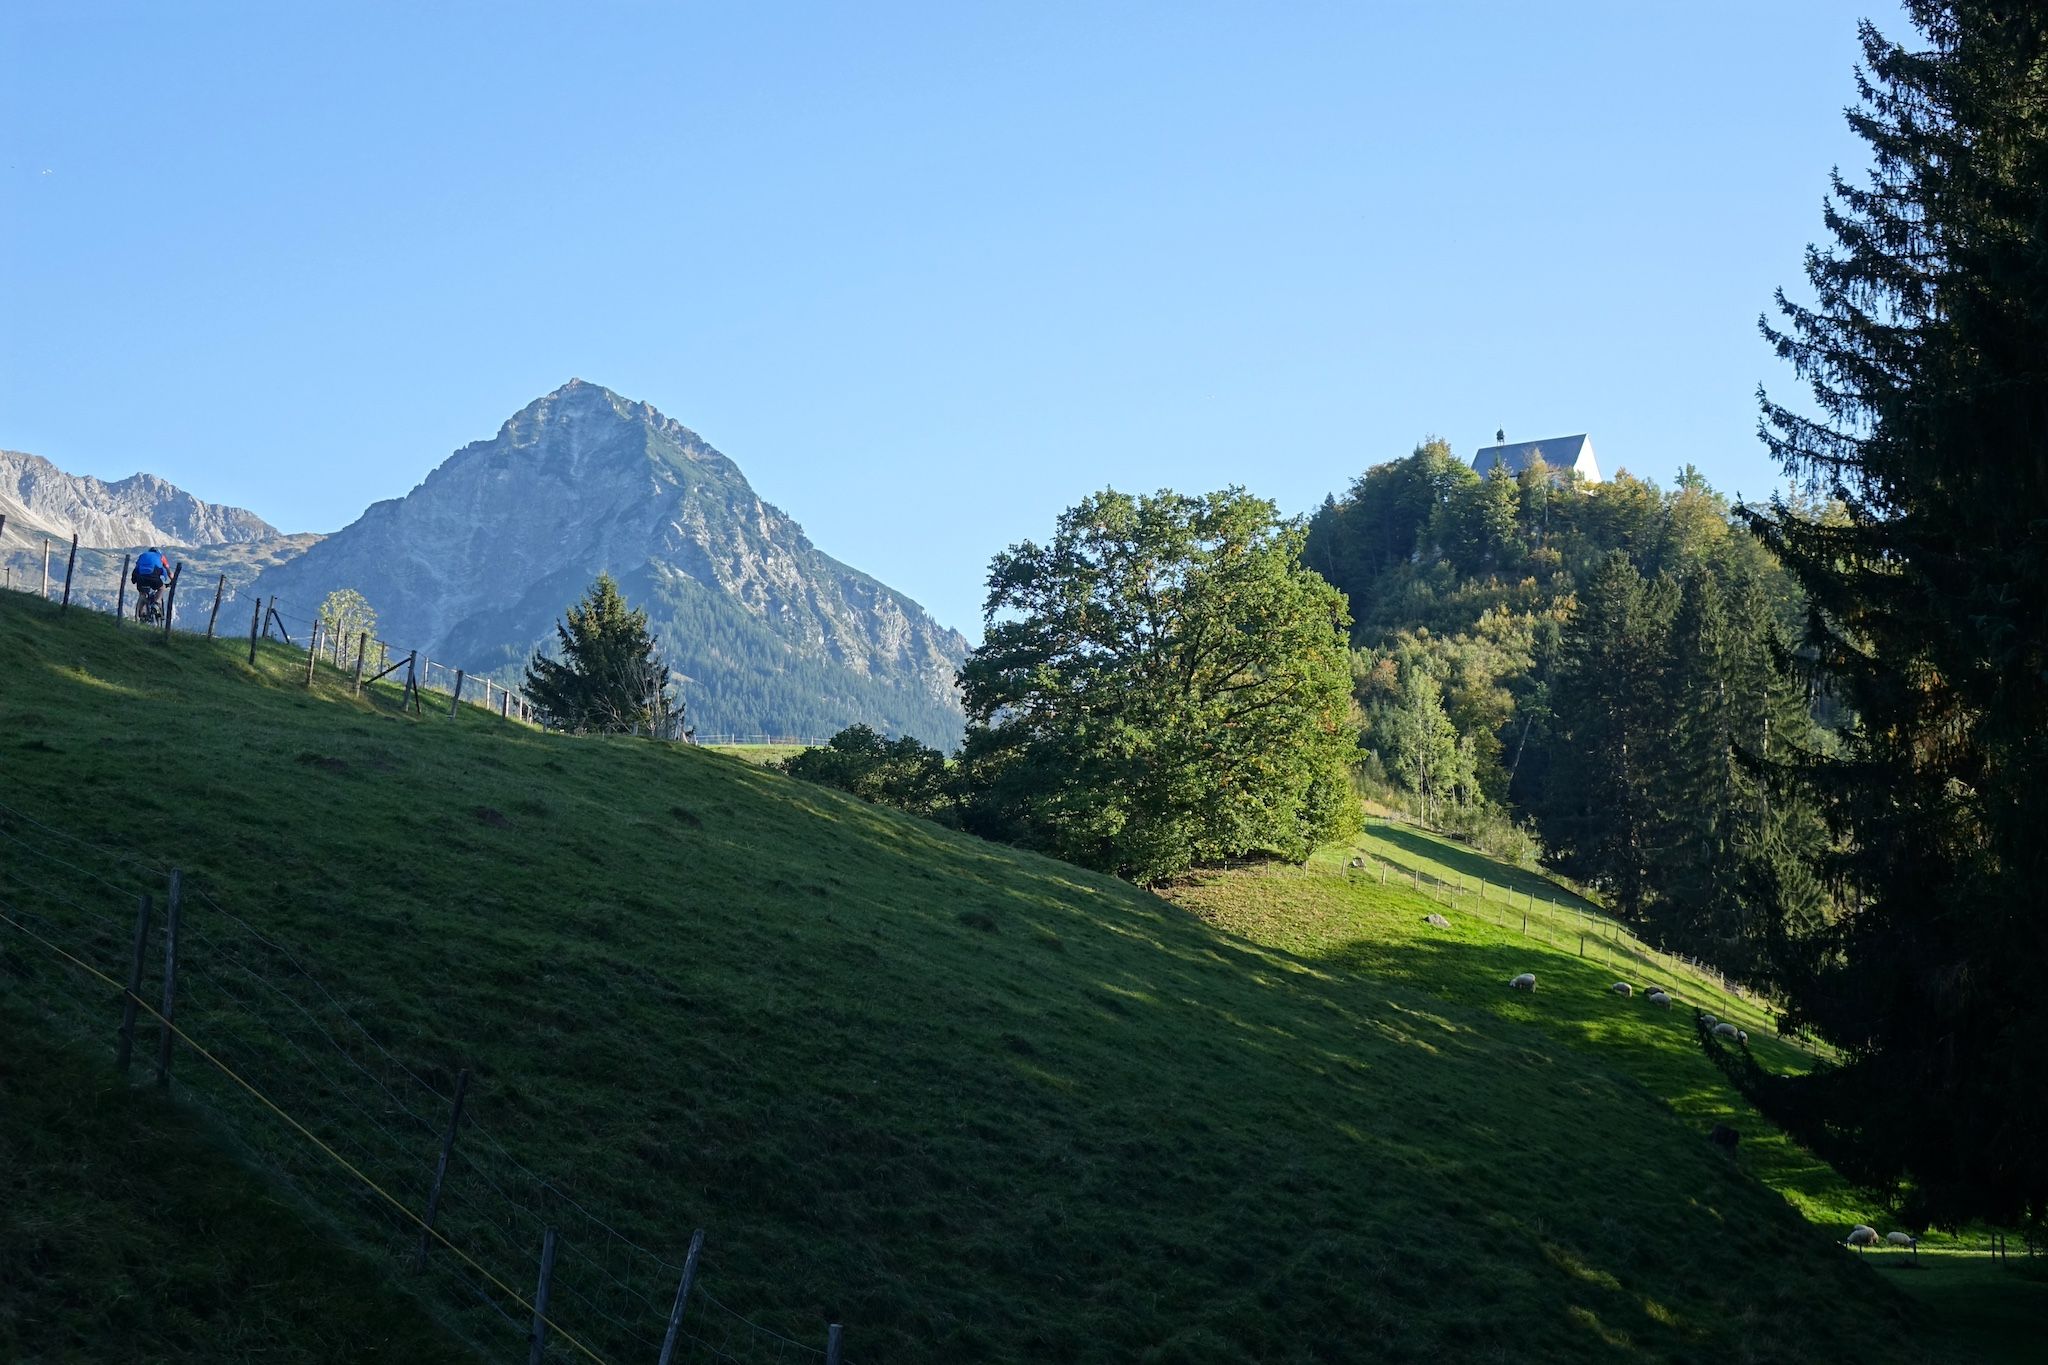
{"x": 1862, "y": 1235}
{"x": 1709, "y": 1020}
{"x": 1725, "y": 1030}
{"x": 1525, "y": 982}
{"x": 1659, "y": 999}
{"x": 1742, "y": 1037}
{"x": 1436, "y": 921}
{"x": 1622, "y": 989}
{"x": 1902, "y": 1239}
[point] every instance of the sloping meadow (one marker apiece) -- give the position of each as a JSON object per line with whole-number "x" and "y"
{"x": 973, "y": 1104}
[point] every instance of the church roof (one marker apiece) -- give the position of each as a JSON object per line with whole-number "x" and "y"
{"x": 1559, "y": 452}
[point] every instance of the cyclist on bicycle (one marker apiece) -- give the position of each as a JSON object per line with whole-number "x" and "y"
{"x": 149, "y": 577}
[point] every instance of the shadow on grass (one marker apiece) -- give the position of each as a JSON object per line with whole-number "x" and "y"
{"x": 1473, "y": 865}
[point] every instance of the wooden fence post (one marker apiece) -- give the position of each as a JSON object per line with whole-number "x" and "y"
{"x": 487, "y": 693}
{"x": 832, "y": 1333}
{"x": 273, "y": 612}
{"x": 121, "y": 592}
{"x": 126, "y": 1047}
{"x": 171, "y": 597}
{"x": 419, "y": 1262}
{"x": 312, "y": 652}
{"x": 675, "y": 1315}
{"x": 218, "y": 589}
{"x": 455, "y": 700}
{"x": 362, "y": 652}
{"x": 69, "y": 565}
{"x": 412, "y": 683}
{"x": 46, "y": 568}
{"x": 255, "y": 621}
{"x": 504, "y": 704}
{"x": 538, "y": 1338}
{"x": 170, "y": 1002}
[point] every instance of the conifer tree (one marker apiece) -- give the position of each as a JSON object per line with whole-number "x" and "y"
{"x": 1601, "y": 816}
{"x": 1926, "y": 348}
{"x": 610, "y": 677}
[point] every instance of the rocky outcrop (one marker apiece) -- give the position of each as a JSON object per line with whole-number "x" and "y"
{"x": 767, "y": 633}
{"x": 40, "y": 499}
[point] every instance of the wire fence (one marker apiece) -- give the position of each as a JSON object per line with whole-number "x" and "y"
{"x": 371, "y": 1132}
{"x": 1571, "y": 929}
{"x": 97, "y": 579}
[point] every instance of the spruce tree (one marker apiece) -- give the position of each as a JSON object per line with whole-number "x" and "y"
{"x": 610, "y": 677}
{"x": 1600, "y": 815}
{"x": 1926, "y": 348}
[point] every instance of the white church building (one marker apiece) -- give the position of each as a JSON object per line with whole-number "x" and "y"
{"x": 1559, "y": 452}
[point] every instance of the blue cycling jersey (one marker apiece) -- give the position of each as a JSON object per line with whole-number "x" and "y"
{"x": 150, "y": 564}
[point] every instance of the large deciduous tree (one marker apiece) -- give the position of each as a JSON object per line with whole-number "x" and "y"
{"x": 1161, "y": 685}
{"x": 1926, "y": 348}
{"x": 609, "y": 677}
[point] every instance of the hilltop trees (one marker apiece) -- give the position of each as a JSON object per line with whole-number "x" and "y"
{"x": 610, "y": 677}
{"x": 1161, "y": 685}
{"x": 1924, "y": 350}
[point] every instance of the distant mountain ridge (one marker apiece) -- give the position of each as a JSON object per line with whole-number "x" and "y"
{"x": 39, "y": 499}
{"x": 770, "y": 634}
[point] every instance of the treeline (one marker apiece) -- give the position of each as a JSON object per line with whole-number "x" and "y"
{"x": 1599, "y": 667}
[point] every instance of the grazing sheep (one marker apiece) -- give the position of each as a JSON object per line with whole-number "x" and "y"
{"x": 1862, "y": 1235}
{"x": 1742, "y": 1037}
{"x": 1660, "y": 999}
{"x": 1436, "y": 921}
{"x": 1725, "y": 1030}
{"x": 1902, "y": 1239}
{"x": 1725, "y": 1138}
{"x": 1622, "y": 989}
{"x": 1525, "y": 982}
{"x": 1709, "y": 1020}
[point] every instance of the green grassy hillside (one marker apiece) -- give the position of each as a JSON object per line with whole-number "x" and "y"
{"x": 131, "y": 1235}
{"x": 975, "y": 1104}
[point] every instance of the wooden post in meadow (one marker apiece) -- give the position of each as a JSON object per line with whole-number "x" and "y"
{"x": 455, "y": 700}
{"x": 170, "y": 1000}
{"x": 675, "y": 1315}
{"x": 171, "y": 597}
{"x": 504, "y": 703}
{"x": 69, "y": 565}
{"x": 121, "y": 591}
{"x": 212, "y": 616}
{"x": 126, "y": 1048}
{"x": 832, "y": 1334}
{"x": 255, "y": 623}
{"x": 312, "y": 652}
{"x": 46, "y": 568}
{"x": 419, "y": 1260}
{"x": 362, "y": 653}
{"x": 537, "y": 1339}
{"x": 273, "y": 612}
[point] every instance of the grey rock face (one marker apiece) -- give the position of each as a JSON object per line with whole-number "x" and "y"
{"x": 768, "y": 634}
{"x": 40, "y": 499}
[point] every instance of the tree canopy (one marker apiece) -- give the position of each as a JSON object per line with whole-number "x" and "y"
{"x": 609, "y": 676}
{"x": 1926, "y": 350}
{"x": 1162, "y": 684}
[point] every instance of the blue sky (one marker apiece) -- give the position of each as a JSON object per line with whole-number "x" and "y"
{"x": 929, "y": 273}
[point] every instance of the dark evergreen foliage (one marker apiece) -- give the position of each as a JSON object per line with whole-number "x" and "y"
{"x": 902, "y": 773}
{"x": 610, "y": 678}
{"x": 1926, "y": 349}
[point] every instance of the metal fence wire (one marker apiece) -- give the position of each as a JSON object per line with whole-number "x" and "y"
{"x": 307, "y": 1092}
